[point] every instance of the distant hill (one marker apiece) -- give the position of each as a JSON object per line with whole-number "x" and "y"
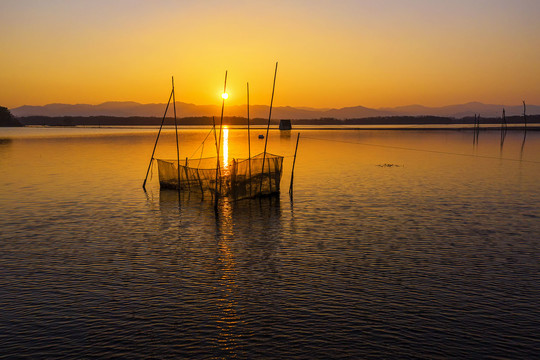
{"x": 464, "y": 110}
{"x": 134, "y": 109}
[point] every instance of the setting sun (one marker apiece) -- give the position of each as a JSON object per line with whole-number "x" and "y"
{"x": 366, "y": 187}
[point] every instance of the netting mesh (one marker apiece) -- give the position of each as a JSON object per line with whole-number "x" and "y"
{"x": 239, "y": 179}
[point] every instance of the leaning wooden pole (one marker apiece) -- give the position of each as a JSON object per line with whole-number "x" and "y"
{"x": 249, "y": 141}
{"x": 217, "y": 165}
{"x": 221, "y": 130}
{"x": 176, "y": 132}
{"x": 157, "y": 138}
{"x": 268, "y": 128}
{"x": 292, "y": 171}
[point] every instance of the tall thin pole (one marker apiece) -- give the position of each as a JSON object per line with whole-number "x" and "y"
{"x": 222, "y": 108}
{"x": 525, "y": 130}
{"x": 503, "y": 129}
{"x": 525, "y": 114}
{"x": 221, "y": 123}
{"x": 268, "y": 127}
{"x": 219, "y": 142}
{"x": 157, "y": 138}
{"x": 217, "y": 167}
{"x": 176, "y": 131}
{"x": 249, "y": 141}
{"x": 292, "y": 171}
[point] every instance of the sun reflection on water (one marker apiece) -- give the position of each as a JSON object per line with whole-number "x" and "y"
{"x": 229, "y": 319}
{"x": 225, "y": 147}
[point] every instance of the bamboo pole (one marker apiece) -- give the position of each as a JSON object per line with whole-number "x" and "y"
{"x": 525, "y": 130}
{"x": 217, "y": 167}
{"x": 219, "y": 142}
{"x": 249, "y": 141}
{"x": 503, "y": 129}
{"x": 157, "y": 138}
{"x": 268, "y": 127}
{"x": 292, "y": 171}
{"x": 525, "y": 114}
{"x": 176, "y": 132}
{"x": 221, "y": 123}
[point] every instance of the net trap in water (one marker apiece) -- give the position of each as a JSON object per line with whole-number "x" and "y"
{"x": 212, "y": 178}
{"x": 239, "y": 179}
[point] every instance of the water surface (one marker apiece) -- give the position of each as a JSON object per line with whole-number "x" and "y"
{"x": 435, "y": 256}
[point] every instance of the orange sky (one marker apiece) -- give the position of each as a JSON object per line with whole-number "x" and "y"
{"x": 330, "y": 53}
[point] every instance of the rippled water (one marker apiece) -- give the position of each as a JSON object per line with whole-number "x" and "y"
{"x": 434, "y": 258}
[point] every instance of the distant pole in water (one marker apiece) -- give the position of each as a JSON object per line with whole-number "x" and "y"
{"x": 503, "y": 129}
{"x": 176, "y": 131}
{"x": 525, "y": 114}
{"x": 268, "y": 127}
{"x": 249, "y": 141}
{"x": 292, "y": 171}
{"x": 155, "y": 145}
{"x": 524, "y": 132}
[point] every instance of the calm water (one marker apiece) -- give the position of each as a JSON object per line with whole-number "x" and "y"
{"x": 435, "y": 258}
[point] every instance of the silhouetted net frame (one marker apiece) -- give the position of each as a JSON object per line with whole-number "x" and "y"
{"x": 240, "y": 178}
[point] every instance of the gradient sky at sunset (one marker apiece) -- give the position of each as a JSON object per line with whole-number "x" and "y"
{"x": 331, "y": 53}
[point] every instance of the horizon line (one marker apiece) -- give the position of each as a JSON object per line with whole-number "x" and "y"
{"x": 282, "y": 106}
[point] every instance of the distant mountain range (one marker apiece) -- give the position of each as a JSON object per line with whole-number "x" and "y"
{"x": 128, "y": 109}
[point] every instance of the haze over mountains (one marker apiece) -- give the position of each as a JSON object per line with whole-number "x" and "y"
{"x": 127, "y": 109}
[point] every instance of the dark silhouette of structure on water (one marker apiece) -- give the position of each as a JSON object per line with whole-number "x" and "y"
{"x": 239, "y": 178}
{"x": 285, "y": 125}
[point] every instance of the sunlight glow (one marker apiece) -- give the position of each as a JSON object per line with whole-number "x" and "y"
{"x": 354, "y": 54}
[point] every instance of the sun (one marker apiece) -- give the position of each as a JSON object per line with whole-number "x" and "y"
{"x": 225, "y": 96}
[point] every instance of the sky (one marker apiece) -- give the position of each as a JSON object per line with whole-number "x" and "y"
{"x": 331, "y": 54}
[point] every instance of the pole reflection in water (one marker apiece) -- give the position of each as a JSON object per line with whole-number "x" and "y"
{"x": 523, "y": 144}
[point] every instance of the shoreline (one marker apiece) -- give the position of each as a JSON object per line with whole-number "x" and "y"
{"x": 432, "y": 127}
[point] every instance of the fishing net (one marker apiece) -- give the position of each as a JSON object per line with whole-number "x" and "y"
{"x": 238, "y": 179}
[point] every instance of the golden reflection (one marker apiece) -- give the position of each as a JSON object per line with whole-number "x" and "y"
{"x": 225, "y": 147}
{"x": 228, "y": 321}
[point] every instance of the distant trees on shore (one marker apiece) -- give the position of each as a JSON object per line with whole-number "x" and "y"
{"x": 239, "y": 121}
{"x": 7, "y": 119}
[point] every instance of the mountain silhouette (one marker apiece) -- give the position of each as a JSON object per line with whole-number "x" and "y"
{"x": 130, "y": 108}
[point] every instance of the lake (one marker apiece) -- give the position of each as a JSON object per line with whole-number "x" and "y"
{"x": 396, "y": 244}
